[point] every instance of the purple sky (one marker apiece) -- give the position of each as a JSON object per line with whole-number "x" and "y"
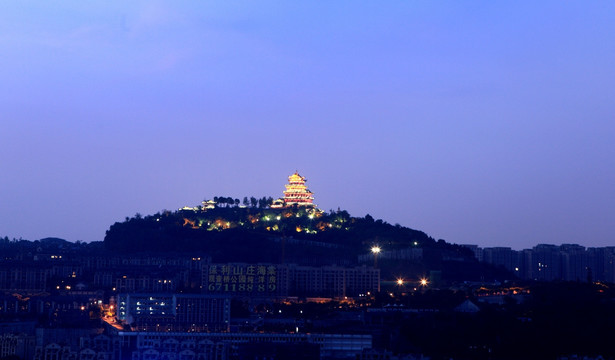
{"x": 490, "y": 123}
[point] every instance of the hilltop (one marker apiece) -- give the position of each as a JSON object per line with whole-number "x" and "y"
{"x": 228, "y": 232}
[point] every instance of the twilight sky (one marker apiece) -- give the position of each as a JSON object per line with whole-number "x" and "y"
{"x": 491, "y": 123}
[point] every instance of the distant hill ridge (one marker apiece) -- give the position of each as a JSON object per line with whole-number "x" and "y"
{"x": 300, "y": 235}
{"x": 190, "y": 229}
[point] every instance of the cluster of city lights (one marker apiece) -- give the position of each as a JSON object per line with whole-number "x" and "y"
{"x": 422, "y": 282}
{"x": 400, "y": 281}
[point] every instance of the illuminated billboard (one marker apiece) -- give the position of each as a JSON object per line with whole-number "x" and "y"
{"x": 243, "y": 279}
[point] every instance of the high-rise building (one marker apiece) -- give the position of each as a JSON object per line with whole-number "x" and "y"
{"x": 174, "y": 312}
{"x": 500, "y": 256}
{"x": 281, "y": 280}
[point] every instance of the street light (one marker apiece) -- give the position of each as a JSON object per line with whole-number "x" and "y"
{"x": 424, "y": 282}
{"x": 376, "y": 250}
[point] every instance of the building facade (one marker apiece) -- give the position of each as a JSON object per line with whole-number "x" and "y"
{"x": 174, "y": 312}
{"x": 282, "y": 280}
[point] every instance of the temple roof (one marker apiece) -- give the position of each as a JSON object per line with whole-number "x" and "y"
{"x": 296, "y": 192}
{"x": 296, "y": 177}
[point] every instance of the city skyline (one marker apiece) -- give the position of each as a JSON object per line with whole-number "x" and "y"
{"x": 487, "y": 124}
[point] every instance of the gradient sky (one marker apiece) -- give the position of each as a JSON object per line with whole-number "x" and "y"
{"x": 491, "y": 122}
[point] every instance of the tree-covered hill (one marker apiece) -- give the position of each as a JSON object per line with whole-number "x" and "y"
{"x": 200, "y": 230}
{"x": 257, "y": 233}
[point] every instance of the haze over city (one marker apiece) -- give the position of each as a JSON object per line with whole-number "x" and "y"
{"x": 482, "y": 123}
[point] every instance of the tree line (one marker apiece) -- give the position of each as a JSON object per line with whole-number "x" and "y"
{"x": 252, "y": 202}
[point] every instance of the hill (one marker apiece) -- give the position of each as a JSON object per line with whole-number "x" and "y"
{"x": 300, "y": 235}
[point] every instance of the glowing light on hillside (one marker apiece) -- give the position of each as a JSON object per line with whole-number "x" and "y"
{"x": 376, "y": 250}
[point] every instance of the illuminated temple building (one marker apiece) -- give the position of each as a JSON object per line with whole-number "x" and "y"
{"x": 296, "y": 193}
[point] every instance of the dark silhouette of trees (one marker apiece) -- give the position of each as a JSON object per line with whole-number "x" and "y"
{"x": 334, "y": 237}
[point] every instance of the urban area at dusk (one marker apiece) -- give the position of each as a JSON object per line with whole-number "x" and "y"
{"x": 358, "y": 180}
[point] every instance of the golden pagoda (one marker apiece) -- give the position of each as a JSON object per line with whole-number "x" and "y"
{"x": 296, "y": 193}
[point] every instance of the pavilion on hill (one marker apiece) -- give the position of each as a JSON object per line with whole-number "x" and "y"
{"x": 296, "y": 193}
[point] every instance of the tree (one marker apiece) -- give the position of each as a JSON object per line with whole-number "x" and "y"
{"x": 246, "y": 202}
{"x": 253, "y": 201}
{"x": 236, "y": 202}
